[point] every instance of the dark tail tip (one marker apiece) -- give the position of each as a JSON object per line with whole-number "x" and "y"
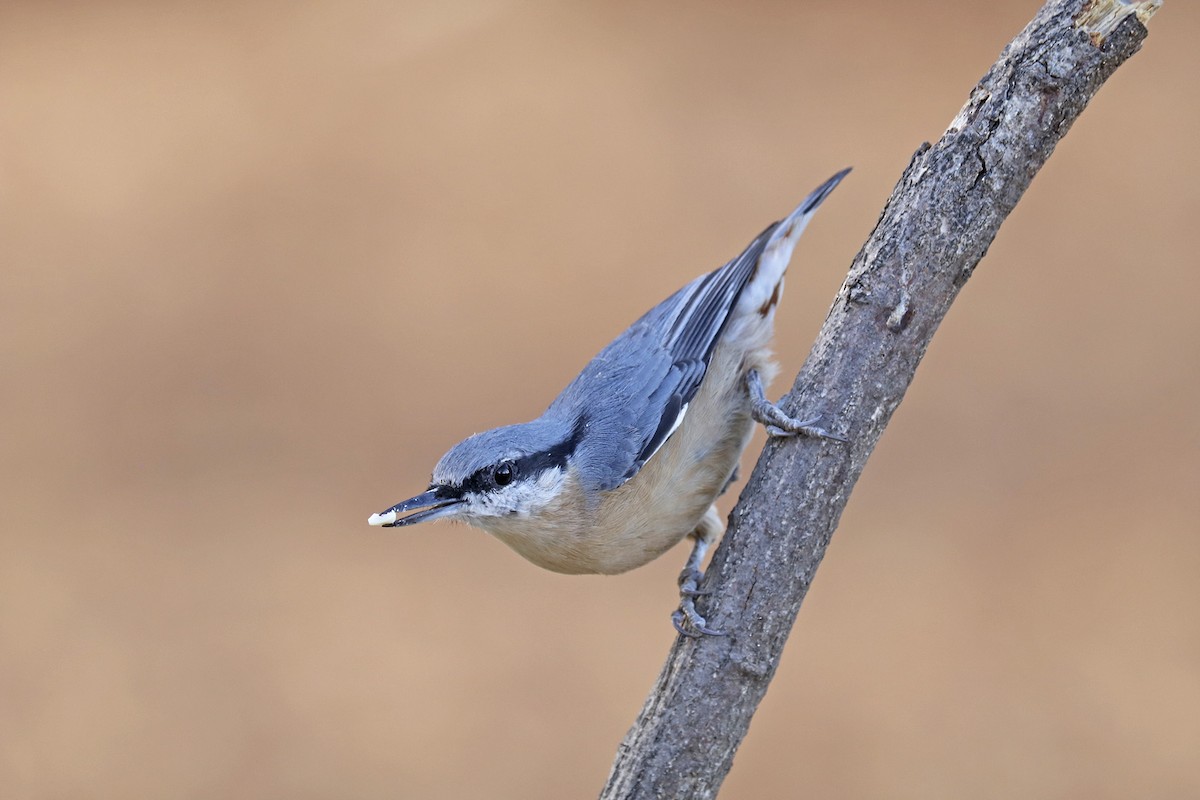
{"x": 821, "y": 192}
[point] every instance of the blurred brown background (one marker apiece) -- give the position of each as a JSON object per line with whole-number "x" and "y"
{"x": 263, "y": 262}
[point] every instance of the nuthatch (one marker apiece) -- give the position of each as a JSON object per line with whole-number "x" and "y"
{"x": 628, "y": 460}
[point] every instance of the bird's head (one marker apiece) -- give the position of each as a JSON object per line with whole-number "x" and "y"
{"x": 514, "y": 470}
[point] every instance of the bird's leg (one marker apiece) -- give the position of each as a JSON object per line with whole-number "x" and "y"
{"x": 687, "y": 619}
{"x": 777, "y": 422}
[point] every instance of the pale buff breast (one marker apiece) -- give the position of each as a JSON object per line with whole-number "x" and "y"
{"x": 666, "y": 500}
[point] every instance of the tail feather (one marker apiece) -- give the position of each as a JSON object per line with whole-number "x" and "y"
{"x": 763, "y": 289}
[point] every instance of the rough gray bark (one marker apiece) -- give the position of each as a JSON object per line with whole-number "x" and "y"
{"x": 937, "y": 225}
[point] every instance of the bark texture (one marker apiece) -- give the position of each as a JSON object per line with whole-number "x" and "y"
{"x": 937, "y": 225}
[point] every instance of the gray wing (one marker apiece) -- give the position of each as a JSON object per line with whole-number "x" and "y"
{"x": 634, "y": 394}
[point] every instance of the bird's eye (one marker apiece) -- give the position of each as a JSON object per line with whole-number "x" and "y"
{"x": 504, "y": 473}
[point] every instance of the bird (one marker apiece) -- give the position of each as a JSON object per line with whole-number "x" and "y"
{"x": 628, "y": 460}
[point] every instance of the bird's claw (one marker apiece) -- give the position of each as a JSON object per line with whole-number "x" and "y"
{"x": 689, "y": 623}
{"x": 686, "y": 619}
{"x": 805, "y": 427}
{"x": 778, "y": 423}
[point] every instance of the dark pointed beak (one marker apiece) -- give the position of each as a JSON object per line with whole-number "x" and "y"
{"x": 424, "y": 507}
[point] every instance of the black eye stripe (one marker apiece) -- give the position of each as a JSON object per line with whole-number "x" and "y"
{"x": 489, "y": 478}
{"x": 446, "y": 492}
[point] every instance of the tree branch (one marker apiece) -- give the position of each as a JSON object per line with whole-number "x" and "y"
{"x": 937, "y": 225}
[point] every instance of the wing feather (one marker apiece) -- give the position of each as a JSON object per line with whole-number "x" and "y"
{"x": 692, "y": 337}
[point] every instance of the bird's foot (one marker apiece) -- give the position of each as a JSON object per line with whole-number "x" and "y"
{"x": 689, "y": 583}
{"x": 795, "y": 427}
{"x": 776, "y": 421}
{"x": 686, "y": 619}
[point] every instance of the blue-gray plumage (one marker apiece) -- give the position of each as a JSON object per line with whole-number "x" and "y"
{"x": 628, "y": 459}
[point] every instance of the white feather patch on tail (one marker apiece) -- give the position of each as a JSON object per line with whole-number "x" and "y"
{"x": 773, "y": 263}
{"x": 762, "y": 292}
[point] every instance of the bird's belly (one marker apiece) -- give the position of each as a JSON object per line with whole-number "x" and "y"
{"x": 667, "y": 499}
